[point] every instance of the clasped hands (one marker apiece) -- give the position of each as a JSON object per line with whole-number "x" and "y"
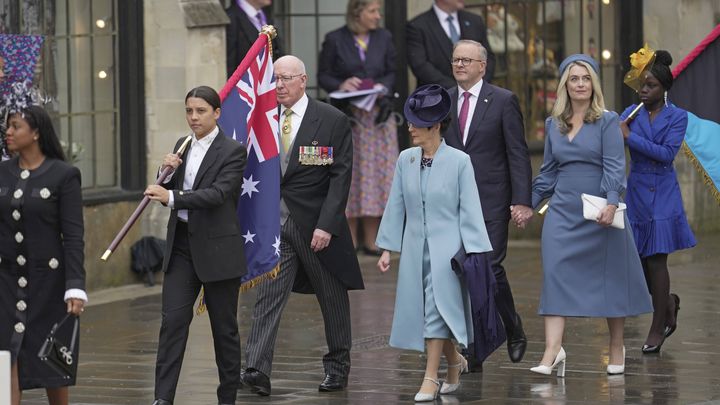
{"x": 521, "y": 215}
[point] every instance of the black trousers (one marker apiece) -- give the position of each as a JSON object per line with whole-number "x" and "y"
{"x": 180, "y": 290}
{"x": 498, "y": 233}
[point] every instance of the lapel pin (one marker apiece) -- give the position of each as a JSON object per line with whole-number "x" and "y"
{"x": 486, "y": 100}
{"x": 314, "y": 143}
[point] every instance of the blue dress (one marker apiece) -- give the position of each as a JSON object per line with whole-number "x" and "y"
{"x": 588, "y": 270}
{"x": 655, "y": 207}
{"x": 430, "y": 214}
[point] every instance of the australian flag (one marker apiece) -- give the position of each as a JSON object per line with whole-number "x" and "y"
{"x": 250, "y": 116}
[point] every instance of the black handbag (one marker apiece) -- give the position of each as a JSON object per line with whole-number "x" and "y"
{"x": 56, "y": 354}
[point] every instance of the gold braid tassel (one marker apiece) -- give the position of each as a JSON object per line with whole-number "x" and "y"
{"x": 700, "y": 169}
{"x": 270, "y": 275}
{"x": 201, "y": 305}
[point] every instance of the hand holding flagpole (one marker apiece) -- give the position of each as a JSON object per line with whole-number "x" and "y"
{"x": 141, "y": 207}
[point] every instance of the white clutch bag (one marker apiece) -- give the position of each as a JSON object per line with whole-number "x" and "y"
{"x": 592, "y": 206}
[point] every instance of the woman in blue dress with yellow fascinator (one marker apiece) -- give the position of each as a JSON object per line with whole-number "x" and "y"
{"x": 433, "y": 210}
{"x": 655, "y": 207}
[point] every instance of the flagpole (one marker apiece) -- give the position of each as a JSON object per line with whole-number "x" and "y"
{"x": 141, "y": 207}
{"x": 265, "y": 36}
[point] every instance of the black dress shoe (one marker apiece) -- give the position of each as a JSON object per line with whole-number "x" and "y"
{"x": 256, "y": 380}
{"x": 162, "y": 402}
{"x": 517, "y": 342}
{"x": 332, "y": 383}
{"x": 669, "y": 330}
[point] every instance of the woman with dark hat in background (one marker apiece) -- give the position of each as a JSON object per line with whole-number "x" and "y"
{"x": 655, "y": 207}
{"x": 42, "y": 276}
{"x": 589, "y": 268}
{"x": 433, "y": 210}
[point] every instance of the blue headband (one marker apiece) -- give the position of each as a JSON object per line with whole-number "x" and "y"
{"x": 579, "y": 57}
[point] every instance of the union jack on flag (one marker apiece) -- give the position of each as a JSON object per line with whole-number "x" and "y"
{"x": 250, "y": 116}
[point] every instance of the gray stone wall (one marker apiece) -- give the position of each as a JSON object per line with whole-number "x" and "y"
{"x": 102, "y": 222}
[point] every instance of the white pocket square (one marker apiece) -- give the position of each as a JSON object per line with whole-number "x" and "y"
{"x": 592, "y": 206}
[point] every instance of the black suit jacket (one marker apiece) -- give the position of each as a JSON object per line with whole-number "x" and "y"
{"x": 316, "y": 195}
{"x": 216, "y": 243}
{"x": 497, "y": 148}
{"x": 339, "y": 59}
{"x": 429, "y": 49}
{"x": 241, "y": 34}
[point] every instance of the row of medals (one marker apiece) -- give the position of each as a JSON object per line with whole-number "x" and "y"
{"x": 316, "y": 155}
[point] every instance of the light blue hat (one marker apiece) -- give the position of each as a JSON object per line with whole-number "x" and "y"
{"x": 579, "y": 57}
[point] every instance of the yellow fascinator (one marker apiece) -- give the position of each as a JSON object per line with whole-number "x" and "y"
{"x": 640, "y": 62}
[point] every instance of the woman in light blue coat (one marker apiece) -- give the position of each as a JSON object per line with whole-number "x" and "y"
{"x": 433, "y": 210}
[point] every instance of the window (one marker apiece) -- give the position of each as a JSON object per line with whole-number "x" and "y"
{"x": 92, "y": 68}
{"x": 306, "y": 22}
{"x": 530, "y": 38}
{"x": 85, "y": 82}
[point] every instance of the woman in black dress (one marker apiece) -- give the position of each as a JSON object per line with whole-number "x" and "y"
{"x": 42, "y": 276}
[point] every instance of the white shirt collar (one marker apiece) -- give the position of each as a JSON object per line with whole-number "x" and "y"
{"x": 474, "y": 90}
{"x": 298, "y": 108}
{"x": 442, "y": 16}
{"x": 248, "y": 9}
{"x": 207, "y": 140}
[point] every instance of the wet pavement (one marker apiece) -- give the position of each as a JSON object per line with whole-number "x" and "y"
{"x": 119, "y": 341}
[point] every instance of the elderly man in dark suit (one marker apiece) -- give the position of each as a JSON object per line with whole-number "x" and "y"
{"x": 431, "y": 36}
{"x": 316, "y": 250}
{"x": 204, "y": 246}
{"x": 488, "y": 125}
{"x": 246, "y": 19}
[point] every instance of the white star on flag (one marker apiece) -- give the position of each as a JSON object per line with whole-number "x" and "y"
{"x": 248, "y": 187}
{"x": 249, "y": 237}
{"x": 276, "y": 245}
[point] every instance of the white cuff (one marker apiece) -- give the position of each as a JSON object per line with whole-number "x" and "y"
{"x": 171, "y": 199}
{"x": 77, "y": 294}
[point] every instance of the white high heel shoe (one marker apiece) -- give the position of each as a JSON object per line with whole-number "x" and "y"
{"x": 559, "y": 363}
{"x": 613, "y": 369}
{"x": 425, "y": 397}
{"x": 448, "y": 388}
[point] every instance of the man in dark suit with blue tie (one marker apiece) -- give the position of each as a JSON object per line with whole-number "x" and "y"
{"x": 488, "y": 126}
{"x": 431, "y": 36}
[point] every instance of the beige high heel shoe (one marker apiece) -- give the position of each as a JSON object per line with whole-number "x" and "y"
{"x": 559, "y": 363}
{"x": 425, "y": 397}
{"x": 448, "y": 388}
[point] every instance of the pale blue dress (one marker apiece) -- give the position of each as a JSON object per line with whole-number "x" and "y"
{"x": 428, "y": 216}
{"x": 588, "y": 270}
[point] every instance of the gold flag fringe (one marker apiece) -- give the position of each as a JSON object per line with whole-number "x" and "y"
{"x": 201, "y": 305}
{"x": 701, "y": 170}
{"x": 272, "y": 274}
{"x": 244, "y": 287}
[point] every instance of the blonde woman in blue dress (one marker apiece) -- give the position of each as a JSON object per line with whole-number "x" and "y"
{"x": 433, "y": 210}
{"x": 589, "y": 268}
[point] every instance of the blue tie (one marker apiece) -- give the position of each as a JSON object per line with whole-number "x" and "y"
{"x": 454, "y": 36}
